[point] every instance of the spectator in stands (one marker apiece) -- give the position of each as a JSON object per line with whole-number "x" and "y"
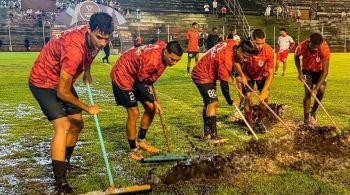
{"x": 27, "y": 44}
{"x": 279, "y": 11}
{"x": 213, "y": 38}
{"x": 313, "y": 70}
{"x": 215, "y": 7}
{"x": 206, "y": 9}
{"x": 298, "y": 14}
{"x": 223, "y": 12}
{"x": 29, "y": 12}
{"x": 233, "y": 35}
{"x": 268, "y": 11}
{"x": 193, "y": 45}
{"x": 138, "y": 13}
{"x": 284, "y": 44}
{"x": 1, "y": 43}
{"x": 343, "y": 15}
{"x": 202, "y": 40}
{"x": 138, "y": 41}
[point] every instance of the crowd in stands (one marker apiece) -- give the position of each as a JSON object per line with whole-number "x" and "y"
{"x": 215, "y": 7}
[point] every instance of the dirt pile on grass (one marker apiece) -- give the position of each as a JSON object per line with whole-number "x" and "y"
{"x": 269, "y": 118}
{"x": 309, "y": 150}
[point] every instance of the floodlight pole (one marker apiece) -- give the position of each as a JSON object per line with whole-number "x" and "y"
{"x": 10, "y": 46}
{"x": 43, "y": 24}
{"x": 274, "y": 38}
{"x": 345, "y": 38}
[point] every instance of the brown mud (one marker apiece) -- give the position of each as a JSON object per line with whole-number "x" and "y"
{"x": 269, "y": 119}
{"x": 309, "y": 150}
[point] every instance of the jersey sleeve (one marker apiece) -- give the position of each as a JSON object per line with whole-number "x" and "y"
{"x": 292, "y": 42}
{"x": 325, "y": 51}
{"x": 71, "y": 56}
{"x": 269, "y": 59}
{"x": 298, "y": 51}
{"x": 225, "y": 64}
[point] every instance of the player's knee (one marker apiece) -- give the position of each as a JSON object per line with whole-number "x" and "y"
{"x": 133, "y": 112}
{"x": 77, "y": 126}
{"x": 62, "y": 128}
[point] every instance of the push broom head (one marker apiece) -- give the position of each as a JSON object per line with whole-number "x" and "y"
{"x": 130, "y": 189}
{"x": 163, "y": 158}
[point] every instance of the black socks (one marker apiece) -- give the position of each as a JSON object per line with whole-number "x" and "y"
{"x": 69, "y": 152}
{"x": 59, "y": 171}
{"x": 142, "y": 133}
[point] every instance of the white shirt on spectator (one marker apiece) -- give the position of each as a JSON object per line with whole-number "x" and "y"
{"x": 215, "y": 4}
{"x": 206, "y": 8}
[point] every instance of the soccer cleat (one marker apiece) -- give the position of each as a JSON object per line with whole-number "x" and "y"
{"x": 260, "y": 127}
{"x": 135, "y": 155}
{"x": 282, "y": 74}
{"x": 63, "y": 189}
{"x": 145, "y": 146}
{"x": 312, "y": 120}
{"x": 275, "y": 73}
{"x": 217, "y": 141}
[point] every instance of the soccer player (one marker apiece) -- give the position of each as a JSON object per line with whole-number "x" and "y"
{"x": 257, "y": 69}
{"x": 51, "y": 79}
{"x": 193, "y": 47}
{"x": 313, "y": 71}
{"x": 284, "y": 44}
{"x": 132, "y": 75}
{"x": 216, "y": 64}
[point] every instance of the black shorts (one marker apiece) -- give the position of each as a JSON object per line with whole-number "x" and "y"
{"x": 53, "y": 107}
{"x": 260, "y": 85}
{"x": 192, "y": 54}
{"x": 208, "y": 92}
{"x": 312, "y": 78}
{"x": 128, "y": 98}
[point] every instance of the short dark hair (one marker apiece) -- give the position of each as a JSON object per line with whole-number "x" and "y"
{"x": 283, "y": 29}
{"x": 258, "y": 34}
{"x": 174, "y": 47}
{"x": 194, "y": 23}
{"x": 247, "y": 47}
{"x": 316, "y": 38}
{"x": 101, "y": 21}
{"x": 214, "y": 28}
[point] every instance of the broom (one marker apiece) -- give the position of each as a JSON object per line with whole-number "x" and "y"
{"x": 112, "y": 189}
{"x": 168, "y": 157}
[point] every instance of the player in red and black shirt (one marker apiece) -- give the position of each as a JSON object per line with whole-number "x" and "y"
{"x": 257, "y": 69}
{"x": 132, "y": 75}
{"x": 313, "y": 71}
{"x": 51, "y": 80}
{"x": 216, "y": 64}
{"x": 192, "y": 37}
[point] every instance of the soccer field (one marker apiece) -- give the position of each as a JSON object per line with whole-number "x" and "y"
{"x": 25, "y": 165}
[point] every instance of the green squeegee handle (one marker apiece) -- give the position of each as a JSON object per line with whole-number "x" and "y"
{"x": 104, "y": 153}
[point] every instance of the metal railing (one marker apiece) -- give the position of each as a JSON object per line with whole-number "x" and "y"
{"x": 241, "y": 20}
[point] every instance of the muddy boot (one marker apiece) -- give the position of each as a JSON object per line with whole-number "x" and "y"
{"x": 214, "y": 138}
{"x": 259, "y": 125}
{"x": 59, "y": 170}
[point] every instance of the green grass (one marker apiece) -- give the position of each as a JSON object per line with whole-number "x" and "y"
{"x": 182, "y": 106}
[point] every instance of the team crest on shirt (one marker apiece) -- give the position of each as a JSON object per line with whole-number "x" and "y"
{"x": 318, "y": 59}
{"x": 261, "y": 63}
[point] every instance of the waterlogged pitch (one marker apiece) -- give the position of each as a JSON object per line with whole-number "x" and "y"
{"x": 302, "y": 162}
